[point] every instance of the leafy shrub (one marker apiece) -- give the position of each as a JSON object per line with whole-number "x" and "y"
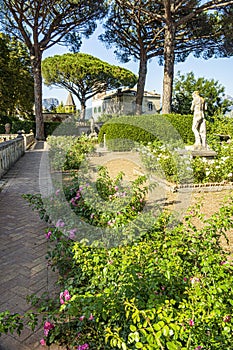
{"x": 183, "y": 124}
{"x": 26, "y": 125}
{"x": 68, "y": 152}
{"x": 110, "y": 202}
{"x": 123, "y": 137}
{"x": 222, "y": 125}
{"x": 218, "y": 169}
{"x": 123, "y": 133}
{"x": 169, "y": 289}
{"x": 22, "y": 125}
{"x": 50, "y": 127}
{"x": 16, "y": 125}
{"x": 166, "y": 161}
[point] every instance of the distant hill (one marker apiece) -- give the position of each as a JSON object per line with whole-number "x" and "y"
{"x": 50, "y": 103}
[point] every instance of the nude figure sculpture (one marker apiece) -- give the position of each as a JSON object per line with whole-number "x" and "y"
{"x": 199, "y": 125}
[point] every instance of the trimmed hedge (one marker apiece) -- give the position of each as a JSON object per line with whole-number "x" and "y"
{"x": 26, "y": 125}
{"x": 222, "y": 125}
{"x": 183, "y": 124}
{"x": 123, "y": 132}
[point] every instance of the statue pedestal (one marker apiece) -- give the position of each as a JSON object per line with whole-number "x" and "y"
{"x": 199, "y": 152}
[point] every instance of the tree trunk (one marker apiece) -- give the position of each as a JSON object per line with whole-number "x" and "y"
{"x": 141, "y": 83}
{"x": 83, "y": 110}
{"x": 169, "y": 59}
{"x": 36, "y": 67}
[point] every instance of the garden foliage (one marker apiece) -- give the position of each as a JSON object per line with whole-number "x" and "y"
{"x": 122, "y": 133}
{"x": 27, "y": 125}
{"x": 221, "y": 125}
{"x": 167, "y": 162}
{"x": 170, "y": 288}
{"x": 68, "y": 152}
{"x": 130, "y": 276}
{"x": 210, "y": 90}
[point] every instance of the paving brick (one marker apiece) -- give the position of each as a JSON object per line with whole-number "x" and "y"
{"x": 23, "y": 248}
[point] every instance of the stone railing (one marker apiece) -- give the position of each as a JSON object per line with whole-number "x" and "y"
{"x": 12, "y": 148}
{"x": 29, "y": 139}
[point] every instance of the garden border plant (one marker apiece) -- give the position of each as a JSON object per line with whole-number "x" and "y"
{"x": 159, "y": 146}
{"x": 170, "y": 288}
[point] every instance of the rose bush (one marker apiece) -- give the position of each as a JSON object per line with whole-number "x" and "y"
{"x": 167, "y": 162}
{"x": 68, "y": 152}
{"x": 169, "y": 287}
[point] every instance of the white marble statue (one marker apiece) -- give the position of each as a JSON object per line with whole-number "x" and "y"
{"x": 199, "y": 125}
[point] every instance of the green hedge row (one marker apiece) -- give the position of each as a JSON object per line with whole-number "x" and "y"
{"x": 222, "y": 125}
{"x": 183, "y": 124}
{"x": 26, "y": 125}
{"x": 123, "y": 132}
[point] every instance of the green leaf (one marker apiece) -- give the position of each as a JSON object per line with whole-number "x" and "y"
{"x": 157, "y": 327}
{"x": 166, "y": 331}
{"x": 171, "y": 346}
{"x": 124, "y": 347}
{"x": 132, "y": 328}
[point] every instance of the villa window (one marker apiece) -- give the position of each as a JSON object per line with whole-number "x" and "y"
{"x": 150, "y": 106}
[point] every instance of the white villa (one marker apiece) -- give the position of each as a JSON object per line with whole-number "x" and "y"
{"x": 123, "y": 102}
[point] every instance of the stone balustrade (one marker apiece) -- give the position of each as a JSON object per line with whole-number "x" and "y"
{"x": 12, "y": 147}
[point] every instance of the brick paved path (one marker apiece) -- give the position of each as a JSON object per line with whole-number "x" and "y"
{"x": 23, "y": 248}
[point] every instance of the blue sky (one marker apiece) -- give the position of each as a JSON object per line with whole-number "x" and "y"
{"x": 220, "y": 69}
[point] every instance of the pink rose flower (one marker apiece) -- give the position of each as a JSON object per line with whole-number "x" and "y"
{"x": 61, "y": 298}
{"x": 227, "y": 318}
{"x": 72, "y": 233}
{"x": 194, "y": 280}
{"x": 47, "y": 327}
{"x": 65, "y": 295}
{"x": 83, "y": 347}
{"x": 191, "y": 323}
{"x": 48, "y": 234}
{"x": 60, "y": 223}
{"x": 42, "y": 342}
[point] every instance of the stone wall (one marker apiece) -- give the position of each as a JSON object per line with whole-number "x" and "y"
{"x": 29, "y": 140}
{"x": 12, "y": 148}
